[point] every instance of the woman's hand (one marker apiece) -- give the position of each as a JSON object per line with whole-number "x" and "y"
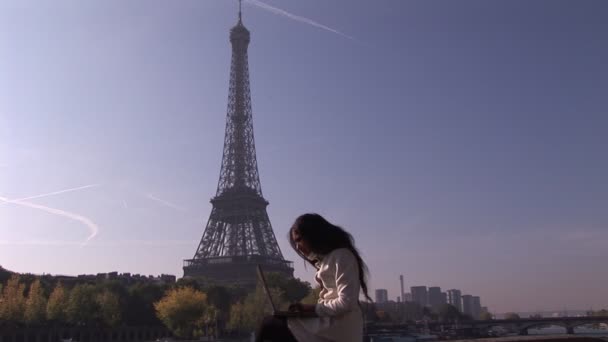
{"x": 299, "y": 307}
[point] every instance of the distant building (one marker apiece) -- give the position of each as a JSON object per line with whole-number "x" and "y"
{"x": 455, "y": 298}
{"x": 434, "y": 297}
{"x": 467, "y": 305}
{"x": 402, "y": 291}
{"x": 419, "y": 295}
{"x": 108, "y": 276}
{"x": 123, "y": 278}
{"x": 476, "y": 301}
{"x": 381, "y": 296}
{"x": 444, "y": 298}
{"x": 389, "y": 306}
{"x": 407, "y": 297}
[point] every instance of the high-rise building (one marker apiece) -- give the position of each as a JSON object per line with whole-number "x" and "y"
{"x": 419, "y": 295}
{"x": 381, "y": 296}
{"x": 407, "y": 297}
{"x": 455, "y": 299}
{"x": 238, "y": 235}
{"x": 476, "y": 307}
{"x": 444, "y": 298}
{"x": 435, "y": 298}
{"x": 467, "y": 305}
{"x": 402, "y": 291}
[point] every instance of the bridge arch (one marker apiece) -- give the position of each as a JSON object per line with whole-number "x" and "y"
{"x": 497, "y": 325}
{"x": 582, "y": 323}
{"x": 508, "y": 326}
{"x": 544, "y": 324}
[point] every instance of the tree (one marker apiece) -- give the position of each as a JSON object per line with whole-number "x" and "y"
{"x": 485, "y": 316}
{"x": 110, "y": 309}
{"x": 384, "y": 316}
{"x": 210, "y": 319}
{"x": 427, "y": 313}
{"x": 220, "y": 298}
{"x": 448, "y": 313}
{"x": 293, "y": 289}
{"x": 57, "y": 304}
{"x": 139, "y": 309}
{"x": 412, "y": 311}
{"x": 466, "y": 318}
{"x": 184, "y": 311}
{"x": 82, "y": 308}
{"x": 189, "y": 282}
{"x": 237, "y": 318}
{"x": 600, "y": 313}
{"x": 247, "y": 315}
{"x": 35, "y": 305}
{"x": 369, "y": 311}
{"x": 512, "y": 316}
{"x": 5, "y": 274}
{"x": 312, "y": 297}
{"x": 12, "y": 301}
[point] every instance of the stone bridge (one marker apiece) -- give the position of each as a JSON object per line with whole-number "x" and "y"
{"x": 476, "y": 328}
{"x": 522, "y": 325}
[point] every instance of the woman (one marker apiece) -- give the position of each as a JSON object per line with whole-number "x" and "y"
{"x": 341, "y": 274}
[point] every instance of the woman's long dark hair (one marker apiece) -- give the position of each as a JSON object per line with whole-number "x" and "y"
{"x": 324, "y": 237}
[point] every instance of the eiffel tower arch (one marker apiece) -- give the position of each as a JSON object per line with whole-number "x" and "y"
{"x": 238, "y": 235}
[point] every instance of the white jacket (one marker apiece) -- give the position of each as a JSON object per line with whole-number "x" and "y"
{"x": 340, "y": 318}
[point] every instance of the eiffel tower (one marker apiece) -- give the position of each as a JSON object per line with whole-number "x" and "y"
{"x": 238, "y": 235}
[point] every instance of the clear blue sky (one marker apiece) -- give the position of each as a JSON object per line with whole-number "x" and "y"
{"x": 463, "y": 143}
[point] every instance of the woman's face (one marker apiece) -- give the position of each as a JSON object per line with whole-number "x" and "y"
{"x": 301, "y": 244}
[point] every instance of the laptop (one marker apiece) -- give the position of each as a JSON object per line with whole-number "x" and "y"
{"x": 275, "y": 312}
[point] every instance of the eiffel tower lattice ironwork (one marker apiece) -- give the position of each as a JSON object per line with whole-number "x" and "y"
{"x": 238, "y": 235}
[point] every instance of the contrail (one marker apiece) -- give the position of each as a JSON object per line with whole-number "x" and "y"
{"x": 167, "y": 203}
{"x": 93, "y": 228}
{"x": 159, "y": 243}
{"x": 54, "y": 193}
{"x": 39, "y": 243}
{"x": 304, "y": 20}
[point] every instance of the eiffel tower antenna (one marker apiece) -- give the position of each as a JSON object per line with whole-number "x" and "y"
{"x": 238, "y": 235}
